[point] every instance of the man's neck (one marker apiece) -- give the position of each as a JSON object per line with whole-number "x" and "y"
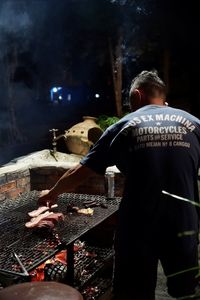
{"x": 156, "y": 101}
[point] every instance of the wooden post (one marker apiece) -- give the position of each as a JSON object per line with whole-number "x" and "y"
{"x": 116, "y": 65}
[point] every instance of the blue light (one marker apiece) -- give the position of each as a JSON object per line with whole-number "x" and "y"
{"x": 97, "y": 95}
{"x": 56, "y": 93}
{"x": 54, "y": 89}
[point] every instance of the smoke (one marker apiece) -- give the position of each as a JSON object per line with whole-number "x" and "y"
{"x": 134, "y": 14}
{"x": 121, "y": 2}
{"x": 13, "y": 19}
{"x": 42, "y": 43}
{"x": 35, "y": 39}
{"x": 18, "y": 30}
{"x": 15, "y": 25}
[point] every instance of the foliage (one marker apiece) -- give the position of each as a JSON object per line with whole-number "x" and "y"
{"x": 105, "y": 121}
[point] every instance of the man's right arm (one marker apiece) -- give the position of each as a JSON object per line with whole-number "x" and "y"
{"x": 67, "y": 183}
{"x": 96, "y": 161}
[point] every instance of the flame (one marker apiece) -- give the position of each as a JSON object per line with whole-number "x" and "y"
{"x": 62, "y": 257}
{"x": 38, "y": 273}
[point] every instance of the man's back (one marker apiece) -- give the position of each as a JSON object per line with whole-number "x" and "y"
{"x": 158, "y": 148}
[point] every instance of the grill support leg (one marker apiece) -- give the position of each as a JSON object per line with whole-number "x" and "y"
{"x": 70, "y": 264}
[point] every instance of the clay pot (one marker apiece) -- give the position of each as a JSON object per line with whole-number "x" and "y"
{"x": 82, "y": 136}
{"x": 40, "y": 290}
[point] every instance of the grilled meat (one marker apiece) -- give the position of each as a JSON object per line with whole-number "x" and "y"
{"x": 40, "y": 210}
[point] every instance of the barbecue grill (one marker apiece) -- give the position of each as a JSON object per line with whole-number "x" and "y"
{"x": 23, "y": 250}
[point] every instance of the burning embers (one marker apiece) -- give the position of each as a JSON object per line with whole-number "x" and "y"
{"x": 56, "y": 268}
{"x": 53, "y": 269}
{"x": 88, "y": 262}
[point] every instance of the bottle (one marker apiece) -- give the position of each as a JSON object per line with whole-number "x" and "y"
{"x": 110, "y": 185}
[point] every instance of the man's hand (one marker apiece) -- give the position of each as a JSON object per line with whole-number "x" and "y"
{"x": 47, "y": 198}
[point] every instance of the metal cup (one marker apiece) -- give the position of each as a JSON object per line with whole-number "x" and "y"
{"x": 110, "y": 185}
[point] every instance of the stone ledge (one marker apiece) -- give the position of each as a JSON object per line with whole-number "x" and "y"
{"x": 40, "y": 170}
{"x": 3, "y": 179}
{"x": 42, "y": 159}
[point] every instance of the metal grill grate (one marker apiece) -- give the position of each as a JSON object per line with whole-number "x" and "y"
{"x": 87, "y": 266}
{"x": 88, "y": 262}
{"x": 34, "y": 247}
{"x": 96, "y": 289}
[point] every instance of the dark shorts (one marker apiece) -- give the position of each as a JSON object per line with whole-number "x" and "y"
{"x": 167, "y": 231}
{"x": 136, "y": 262}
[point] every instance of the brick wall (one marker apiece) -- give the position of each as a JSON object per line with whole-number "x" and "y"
{"x": 45, "y": 178}
{"x": 14, "y": 183}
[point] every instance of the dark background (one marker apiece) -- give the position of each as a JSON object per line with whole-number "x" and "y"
{"x": 51, "y": 43}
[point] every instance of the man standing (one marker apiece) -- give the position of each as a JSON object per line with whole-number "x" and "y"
{"x": 157, "y": 148}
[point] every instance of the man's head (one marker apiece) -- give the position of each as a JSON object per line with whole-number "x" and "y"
{"x": 147, "y": 88}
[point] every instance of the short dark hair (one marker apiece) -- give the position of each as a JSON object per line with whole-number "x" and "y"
{"x": 149, "y": 82}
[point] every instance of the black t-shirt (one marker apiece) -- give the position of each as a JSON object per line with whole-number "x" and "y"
{"x": 157, "y": 148}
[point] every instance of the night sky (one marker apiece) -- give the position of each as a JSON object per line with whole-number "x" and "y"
{"x": 49, "y": 43}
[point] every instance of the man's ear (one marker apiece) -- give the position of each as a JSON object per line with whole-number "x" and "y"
{"x": 135, "y": 100}
{"x": 138, "y": 95}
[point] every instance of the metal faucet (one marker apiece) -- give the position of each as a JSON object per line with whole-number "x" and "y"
{"x": 55, "y": 139}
